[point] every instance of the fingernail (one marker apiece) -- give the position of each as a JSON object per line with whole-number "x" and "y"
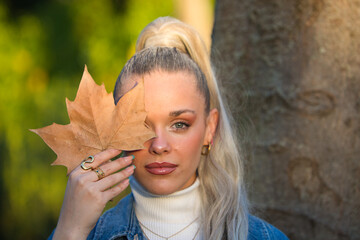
{"x": 133, "y": 157}
{"x": 126, "y": 181}
{"x": 130, "y": 169}
{"x": 128, "y": 159}
{"x": 134, "y": 167}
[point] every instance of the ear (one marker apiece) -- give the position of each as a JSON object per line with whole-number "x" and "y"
{"x": 211, "y": 125}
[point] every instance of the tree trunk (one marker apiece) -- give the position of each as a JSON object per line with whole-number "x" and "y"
{"x": 299, "y": 63}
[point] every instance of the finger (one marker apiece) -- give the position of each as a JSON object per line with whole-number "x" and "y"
{"x": 102, "y": 157}
{"x": 115, "y": 178}
{"x": 99, "y": 158}
{"x": 111, "y": 167}
{"x": 116, "y": 190}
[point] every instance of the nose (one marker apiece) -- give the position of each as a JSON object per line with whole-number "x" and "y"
{"x": 159, "y": 144}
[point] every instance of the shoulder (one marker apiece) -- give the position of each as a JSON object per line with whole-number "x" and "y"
{"x": 262, "y": 230}
{"x": 119, "y": 221}
{"x": 123, "y": 208}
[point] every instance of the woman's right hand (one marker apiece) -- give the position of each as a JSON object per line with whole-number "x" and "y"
{"x": 86, "y": 195}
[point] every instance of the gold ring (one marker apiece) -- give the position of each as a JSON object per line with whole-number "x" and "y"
{"x": 99, "y": 172}
{"x": 86, "y": 160}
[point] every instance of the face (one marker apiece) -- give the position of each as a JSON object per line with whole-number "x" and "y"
{"x": 176, "y": 113}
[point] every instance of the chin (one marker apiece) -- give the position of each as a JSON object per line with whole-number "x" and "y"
{"x": 161, "y": 189}
{"x": 162, "y": 185}
{"x": 159, "y": 186}
{"x": 161, "y": 192}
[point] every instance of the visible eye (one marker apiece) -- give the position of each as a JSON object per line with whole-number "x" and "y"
{"x": 180, "y": 126}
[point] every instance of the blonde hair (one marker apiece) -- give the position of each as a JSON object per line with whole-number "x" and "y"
{"x": 224, "y": 202}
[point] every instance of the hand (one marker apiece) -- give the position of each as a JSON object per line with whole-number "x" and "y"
{"x": 86, "y": 195}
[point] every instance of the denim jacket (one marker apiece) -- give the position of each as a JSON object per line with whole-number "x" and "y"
{"x": 121, "y": 223}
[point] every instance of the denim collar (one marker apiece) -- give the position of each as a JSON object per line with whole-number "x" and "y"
{"x": 121, "y": 222}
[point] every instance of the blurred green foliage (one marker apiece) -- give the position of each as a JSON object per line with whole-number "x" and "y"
{"x": 43, "y": 48}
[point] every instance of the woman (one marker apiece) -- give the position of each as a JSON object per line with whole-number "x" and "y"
{"x": 188, "y": 182}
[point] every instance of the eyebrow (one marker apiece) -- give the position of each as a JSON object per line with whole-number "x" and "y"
{"x": 179, "y": 112}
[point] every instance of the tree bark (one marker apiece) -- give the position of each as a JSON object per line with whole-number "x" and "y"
{"x": 297, "y": 62}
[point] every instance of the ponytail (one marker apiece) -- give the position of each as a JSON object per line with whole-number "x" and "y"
{"x": 170, "y": 32}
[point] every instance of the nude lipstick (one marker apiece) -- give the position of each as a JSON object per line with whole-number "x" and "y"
{"x": 160, "y": 168}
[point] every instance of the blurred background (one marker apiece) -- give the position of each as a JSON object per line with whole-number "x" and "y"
{"x": 292, "y": 67}
{"x": 44, "y": 46}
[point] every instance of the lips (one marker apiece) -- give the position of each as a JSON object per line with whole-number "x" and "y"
{"x": 162, "y": 168}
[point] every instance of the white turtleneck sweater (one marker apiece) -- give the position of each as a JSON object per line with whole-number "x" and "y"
{"x": 168, "y": 214}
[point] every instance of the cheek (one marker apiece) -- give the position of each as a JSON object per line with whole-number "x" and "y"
{"x": 190, "y": 144}
{"x": 140, "y": 156}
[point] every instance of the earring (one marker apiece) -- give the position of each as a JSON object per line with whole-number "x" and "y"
{"x": 205, "y": 150}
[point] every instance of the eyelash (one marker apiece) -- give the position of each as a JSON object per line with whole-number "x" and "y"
{"x": 184, "y": 126}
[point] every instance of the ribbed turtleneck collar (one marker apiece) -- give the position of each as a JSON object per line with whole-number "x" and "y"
{"x": 179, "y": 207}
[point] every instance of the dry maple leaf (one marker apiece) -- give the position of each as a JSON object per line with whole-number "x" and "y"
{"x": 96, "y": 124}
